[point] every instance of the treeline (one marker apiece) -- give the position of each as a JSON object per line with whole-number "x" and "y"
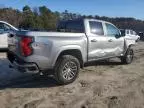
{"x": 42, "y": 18}
{"x": 36, "y": 18}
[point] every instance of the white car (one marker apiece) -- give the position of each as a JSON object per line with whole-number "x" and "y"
{"x": 130, "y": 34}
{"x": 5, "y": 29}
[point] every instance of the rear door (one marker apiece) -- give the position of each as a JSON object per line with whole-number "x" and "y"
{"x": 115, "y": 42}
{"x": 96, "y": 40}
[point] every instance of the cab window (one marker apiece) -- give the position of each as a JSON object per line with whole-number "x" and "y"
{"x": 112, "y": 31}
{"x": 75, "y": 26}
{"x": 96, "y": 28}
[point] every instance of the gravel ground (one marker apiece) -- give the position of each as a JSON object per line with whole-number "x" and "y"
{"x": 100, "y": 85}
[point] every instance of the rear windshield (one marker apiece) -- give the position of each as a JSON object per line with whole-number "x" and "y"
{"x": 71, "y": 26}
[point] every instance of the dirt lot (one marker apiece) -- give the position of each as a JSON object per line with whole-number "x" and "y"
{"x": 101, "y": 85}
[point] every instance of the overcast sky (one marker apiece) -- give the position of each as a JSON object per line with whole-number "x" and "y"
{"x": 111, "y": 8}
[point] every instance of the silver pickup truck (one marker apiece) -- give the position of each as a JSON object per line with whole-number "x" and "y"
{"x": 65, "y": 51}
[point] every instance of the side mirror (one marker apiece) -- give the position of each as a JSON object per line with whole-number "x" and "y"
{"x": 118, "y": 35}
{"x": 122, "y": 33}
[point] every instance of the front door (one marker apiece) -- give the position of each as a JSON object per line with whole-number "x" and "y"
{"x": 115, "y": 43}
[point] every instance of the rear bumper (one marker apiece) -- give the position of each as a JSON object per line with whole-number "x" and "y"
{"x": 26, "y": 68}
{"x": 22, "y": 66}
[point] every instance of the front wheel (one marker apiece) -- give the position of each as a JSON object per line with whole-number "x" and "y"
{"x": 67, "y": 69}
{"x": 128, "y": 58}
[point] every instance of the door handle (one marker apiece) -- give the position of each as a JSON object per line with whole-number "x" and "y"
{"x": 110, "y": 40}
{"x": 94, "y": 40}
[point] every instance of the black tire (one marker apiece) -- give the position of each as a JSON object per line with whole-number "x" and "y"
{"x": 67, "y": 69}
{"x": 128, "y": 58}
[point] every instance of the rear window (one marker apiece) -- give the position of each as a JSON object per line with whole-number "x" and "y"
{"x": 96, "y": 28}
{"x": 71, "y": 26}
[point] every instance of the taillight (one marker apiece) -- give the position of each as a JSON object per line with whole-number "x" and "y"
{"x": 26, "y": 49}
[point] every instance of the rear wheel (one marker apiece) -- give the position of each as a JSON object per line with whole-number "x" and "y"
{"x": 128, "y": 58}
{"x": 67, "y": 69}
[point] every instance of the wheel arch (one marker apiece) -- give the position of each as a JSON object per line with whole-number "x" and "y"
{"x": 74, "y": 52}
{"x": 128, "y": 44}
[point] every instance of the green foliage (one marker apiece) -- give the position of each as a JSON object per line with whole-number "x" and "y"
{"x": 42, "y": 18}
{"x": 47, "y": 17}
{"x": 28, "y": 18}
